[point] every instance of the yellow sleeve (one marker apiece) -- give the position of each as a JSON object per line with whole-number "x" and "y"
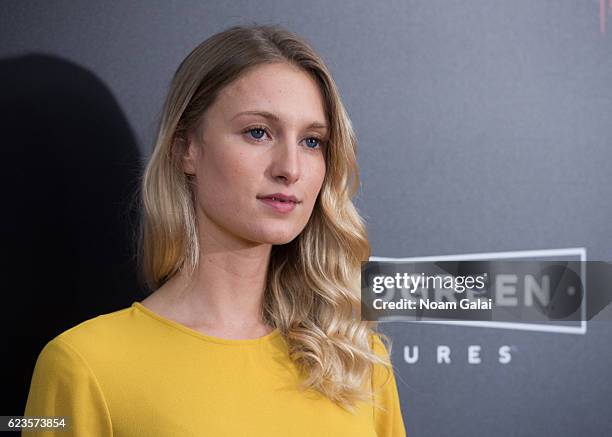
{"x": 64, "y": 385}
{"x": 388, "y": 420}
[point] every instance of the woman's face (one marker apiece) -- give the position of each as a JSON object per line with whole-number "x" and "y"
{"x": 264, "y": 135}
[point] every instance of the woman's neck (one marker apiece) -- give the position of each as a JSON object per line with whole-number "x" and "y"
{"x": 222, "y": 298}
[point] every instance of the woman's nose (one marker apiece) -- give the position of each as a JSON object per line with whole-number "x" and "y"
{"x": 286, "y": 163}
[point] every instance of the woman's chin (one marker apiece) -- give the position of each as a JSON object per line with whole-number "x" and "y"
{"x": 278, "y": 236}
{"x": 282, "y": 240}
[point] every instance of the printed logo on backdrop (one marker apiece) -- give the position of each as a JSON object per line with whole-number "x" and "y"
{"x": 533, "y": 290}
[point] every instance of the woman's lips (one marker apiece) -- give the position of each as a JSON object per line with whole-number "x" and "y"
{"x": 278, "y": 205}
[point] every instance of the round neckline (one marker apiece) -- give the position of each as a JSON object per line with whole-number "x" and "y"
{"x": 227, "y": 341}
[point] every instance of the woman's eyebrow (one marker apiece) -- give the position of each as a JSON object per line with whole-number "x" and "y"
{"x": 274, "y": 117}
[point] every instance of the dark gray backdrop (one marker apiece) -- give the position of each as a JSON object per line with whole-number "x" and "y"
{"x": 483, "y": 126}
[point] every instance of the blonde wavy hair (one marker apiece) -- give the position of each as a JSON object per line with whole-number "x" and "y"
{"x": 313, "y": 282}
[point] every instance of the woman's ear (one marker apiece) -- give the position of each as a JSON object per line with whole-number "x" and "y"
{"x": 189, "y": 152}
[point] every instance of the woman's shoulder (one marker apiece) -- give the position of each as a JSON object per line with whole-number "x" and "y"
{"x": 97, "y": 336}
{"x": 102, "y": 325}
{"x": 379, "y": 347}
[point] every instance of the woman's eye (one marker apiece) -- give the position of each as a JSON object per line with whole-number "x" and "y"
{"x": 312, "y": 142}
{"x": 256, "y": 132}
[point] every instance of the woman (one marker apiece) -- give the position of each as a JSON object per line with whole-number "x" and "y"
{"x": 253, "y": 247}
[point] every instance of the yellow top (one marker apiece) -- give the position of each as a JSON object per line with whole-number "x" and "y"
{"x": 135, "y": 373}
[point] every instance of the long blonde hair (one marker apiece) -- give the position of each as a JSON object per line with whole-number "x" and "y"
{"x": 313, "y": 282}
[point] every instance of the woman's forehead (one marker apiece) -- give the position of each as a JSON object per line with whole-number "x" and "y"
{"x": 285, "y": 91}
